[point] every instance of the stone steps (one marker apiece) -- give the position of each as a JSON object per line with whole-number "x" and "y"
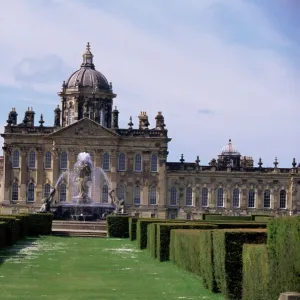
{"x": 79, "y": 229}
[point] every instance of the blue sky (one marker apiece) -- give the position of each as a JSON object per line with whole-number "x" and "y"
{"x": 217, "y": 69}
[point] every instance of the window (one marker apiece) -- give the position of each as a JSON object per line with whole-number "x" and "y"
{"x": 236, "y": 198}
{"x": 63, "y": 192}
{"x": 137, "y": 195}
{"x": 267, "y": 199}
{"x": 152, "y": 195}
{"x": 47, "y": 190}
{"x": 188, "y": 196}
{"x": 122, "y": 162}
{"x": 105, "y": 194}
{"x": 15, "y": 191}
{"x": 48, "y": 160}
{"x": 282, "y": 199}
{"x": 16, "y": 159}
{"x": 153, "y": 163}
{"x": 204, "y": 197}
{"x": 120, "y": 191}
{"x": 30, "y": 192}
{"x": 31, "y": 160}
{"x": 64, "y": 160}
{"x": 251, "y": 199}
{"x": 106, "y": 162}
{"x": 173, "y": 196}
{"x": 220, "y": 197}
{"x": 138, "y": 163}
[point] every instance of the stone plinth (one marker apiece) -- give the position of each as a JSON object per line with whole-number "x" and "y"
{"x": 289, "y": 296}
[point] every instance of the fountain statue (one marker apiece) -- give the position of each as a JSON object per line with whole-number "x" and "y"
{"x": 47, "y": 201}
{"x": 118, "y": 203}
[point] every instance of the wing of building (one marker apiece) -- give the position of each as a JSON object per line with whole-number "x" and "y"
{"x": 134, "y": 159}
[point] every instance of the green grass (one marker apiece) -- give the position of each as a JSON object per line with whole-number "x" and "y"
{"x": 90, "y": 268}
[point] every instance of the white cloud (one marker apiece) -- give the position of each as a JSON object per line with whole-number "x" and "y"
{"x": 252, "y": 92}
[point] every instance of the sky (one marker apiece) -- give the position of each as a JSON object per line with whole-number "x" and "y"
{"x": 217, "y": 69}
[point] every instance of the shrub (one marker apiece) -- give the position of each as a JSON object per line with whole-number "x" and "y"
{"x": 151, "y": 239}
{"x": 118, "y": 226}
{"x": 141, "y": 230}
{"x": 227, "y": 257}
{"x": 9, "y": 228}
{"x": 24, "y": 225}
{"x": 255, "y": 272}
{"x": 132, "y": 228}
{"x": 284, "y": 255}
{"x": 208, "y": 217}
{"x": 39, "y": 223}
{"x": 163, "y": 236}
{"x": 2, "y": 234}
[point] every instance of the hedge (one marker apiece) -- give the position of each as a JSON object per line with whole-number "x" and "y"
{"x": 24, "y": 225}
{"x": 2, "y": 234}
{"x": 39, "y": 224}
{"x": 118, "y": 226}
{"x": 151, "y": 239}
{"x": 255, "y": 272}
{"x": 132, "y": 228}
{"x": 227, "y": 256}
{"x": 208, "y": 217}
{"x": 284, "y": 255}
{"x": 9, "y": 228}
{"x": 163, "y": 236}
{"x": 141, "y": 230}
{"x": 261, "y": 217}
{"x": 239, "y": 225}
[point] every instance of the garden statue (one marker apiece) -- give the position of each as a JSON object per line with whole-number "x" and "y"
{"x": 119, "y": 203}
{"x": 47, "y": 201}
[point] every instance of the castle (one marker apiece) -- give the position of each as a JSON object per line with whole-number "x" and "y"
{"x": 135, "y": 160}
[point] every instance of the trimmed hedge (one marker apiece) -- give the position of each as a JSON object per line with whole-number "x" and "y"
{"x": 261, "y": 217}
{"x": 227, "y": 257}
{"x": 255, "y": 272}
{"x": 24, "y": 225}
{"x": 118, "y": 226}
{"x": 132, "y": 228}
{"x": 239, "y": 225}
{"x": 208, "y": 217}
{"x": 9, "y": 228}
{"x": 39, "y": 224}
{"x": 151, "y": 239}
{"x": 164, "y": 232}
{"x": 141, "y": 230}
{"x": 284, "y": 255}
{"x": 2, "y": 234}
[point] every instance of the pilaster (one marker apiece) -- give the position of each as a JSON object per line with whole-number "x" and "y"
{"x": 39, "y": 174}
{"x": 7, "y": 175}
{"x": 24, "y": 174}
{"x": 56, "y": 168}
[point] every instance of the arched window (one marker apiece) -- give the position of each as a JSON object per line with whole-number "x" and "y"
{"x": 236, "y": 198}
{"x": 251, "y": 199}
{"x": 188, "y": 196}
{"x": 64, "y": 161}
{"x": 173, "y": 196}
{"x": 31, "y": 160}
{"x": 137, "y": 195}
{"x": 30, "y": 192}
{"x": 204, "y": 197}
{"x": 106, "y": 162}
{"x": 120, "y": 191}
{"x": 15, "y": 191}
{"x": 220, "y": 197}
{"x": 105, "y": 194}
{"x": 16, "y": 159}
{"x": 282, "y": 199}
{"x": 121, "y": 162}
{"x": 138, "y": 163}
{"x": 47, "y": 190}
{"x": 62, "y": 192}
{"x": 48, "y": 160}
{"x": 152, "y": 195}
{"x": 154, "y": 163}
{"x": 267, "y": 199}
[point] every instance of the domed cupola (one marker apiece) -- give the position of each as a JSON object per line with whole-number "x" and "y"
{"x": 229, "y": 149}
{"x": 229, "y": 156}
{"x": 87, "y": 94}
{"x": 87, "y": 76}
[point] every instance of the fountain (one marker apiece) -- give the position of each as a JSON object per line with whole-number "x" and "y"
{"x": 85, "y": 184}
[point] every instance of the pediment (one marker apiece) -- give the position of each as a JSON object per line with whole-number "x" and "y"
{"x": 84, "y": 128}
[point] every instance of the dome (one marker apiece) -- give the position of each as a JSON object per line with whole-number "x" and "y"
{"x": 229, "y": 149}
{"x": 87, "y": 76}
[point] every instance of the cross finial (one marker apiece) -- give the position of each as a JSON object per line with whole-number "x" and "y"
{"x": 88, "y": 46}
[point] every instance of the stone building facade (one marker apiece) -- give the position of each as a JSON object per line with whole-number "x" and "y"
{"x": 134, "y": 159}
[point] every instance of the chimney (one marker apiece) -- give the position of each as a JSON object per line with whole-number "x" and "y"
{"x": 29, "y": 117}
{"x": 12, "y": 116}
{"x": 115, "y": 118}
{"x": 160, "y": 121}
{"x": 57, "y": 115}
{"x": 143, "y": 120}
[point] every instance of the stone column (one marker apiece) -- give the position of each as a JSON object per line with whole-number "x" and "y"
{"x": 162, "y": 183}
{"x": 227, "y": 193}
{"x": 244, "y": 199}
{"x": 113, "y": 169}
{"x": 256, "y": 199}
{"x": 145, "y": 194}
{"x": 24, "y": 174}
{"x": 56, "y": 169}
{"x": 213, "y": 199}
{"x": 260, "y": 200}
{"x": 197, "y": 197}
{"x": 39, "y": 174}
{"x": 7, "y": 174}
{"x": 209, "y": 199}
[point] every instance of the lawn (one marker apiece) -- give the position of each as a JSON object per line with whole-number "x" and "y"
{"x": 57, "y": 268}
